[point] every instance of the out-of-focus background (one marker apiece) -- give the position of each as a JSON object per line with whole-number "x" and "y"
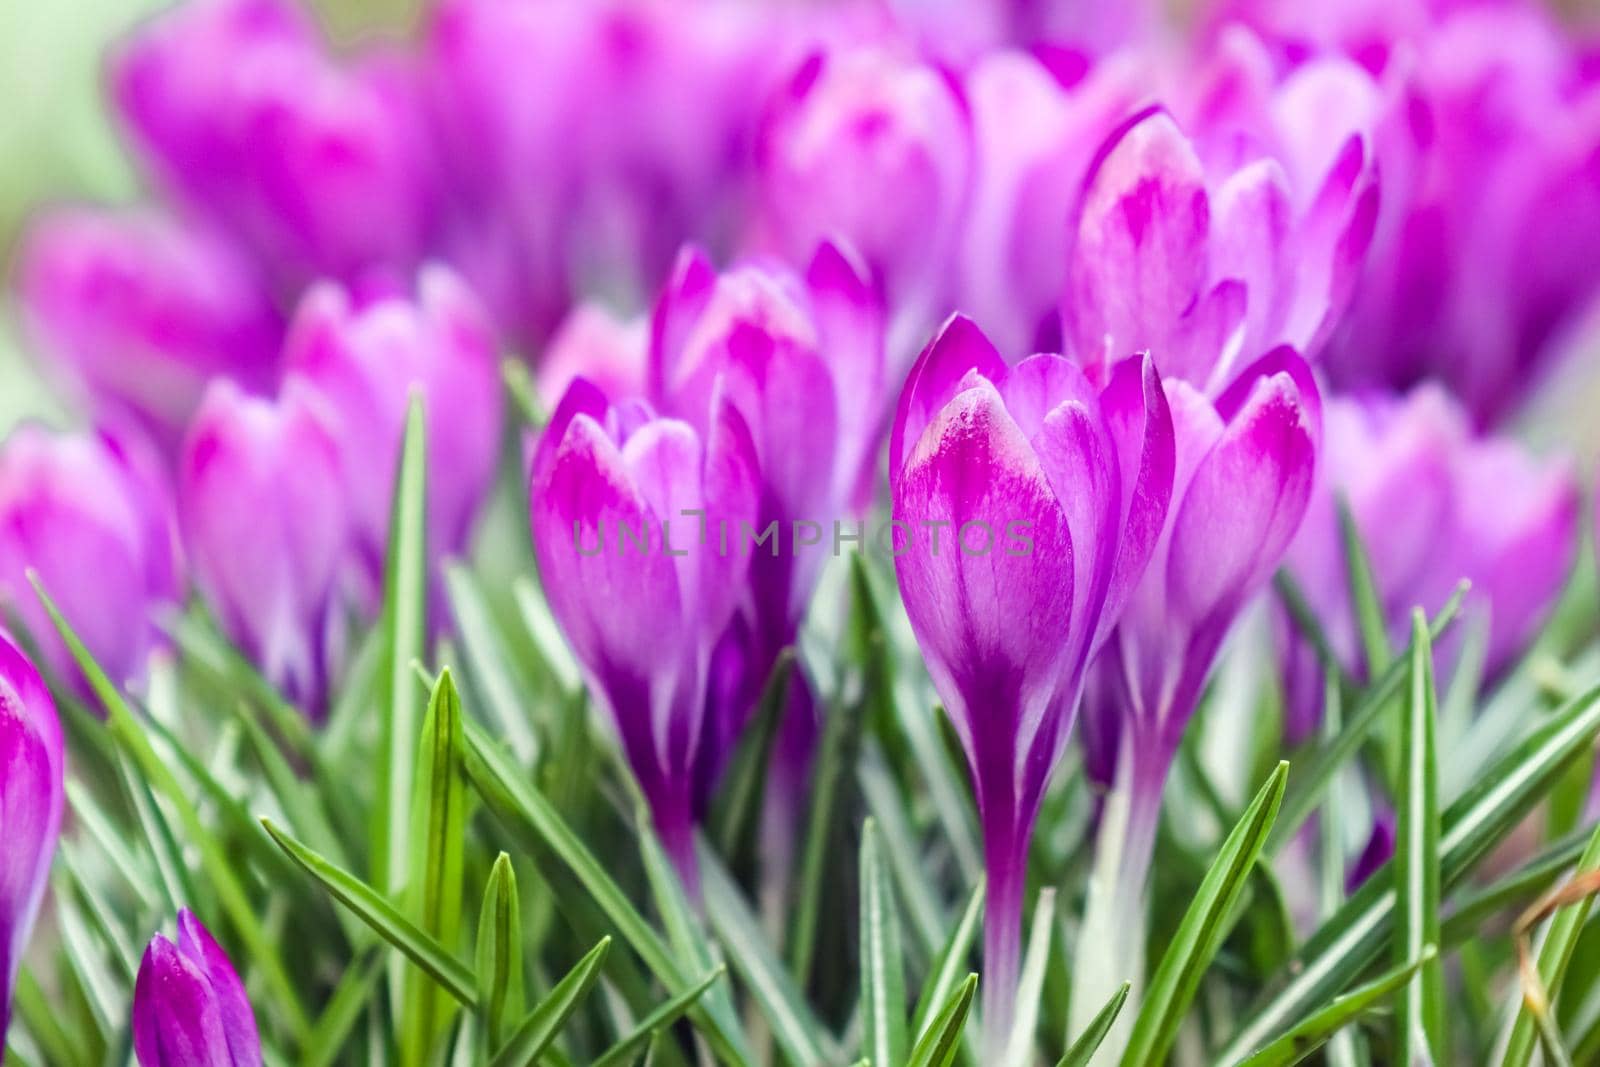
{"x": 57, "y": 141}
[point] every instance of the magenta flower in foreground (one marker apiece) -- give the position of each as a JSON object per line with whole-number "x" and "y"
{"x": 596, "y": 344}
{"x": 136, "y": 311}
{"x": 801, "y": 358}
{"x": 189, "y": 1007}
{"x": 263, "y": 515}
{"x": 364, "y": 361}
{"x": 31, "y": 796}
{"x": 1243, "y": 478}
{"x": 90, "y": 514}
{"x": 635, "y": 523}
{"x": 1027, "y": 502}
{"x": 1434, "y": 503}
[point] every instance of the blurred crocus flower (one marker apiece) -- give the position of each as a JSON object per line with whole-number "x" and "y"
{"x": 1209, "y": 274}
{"x": 189, "y": 1007}
{"x": 636, "y": 521}
{"x": 596, "y": 344}
{"x": 364, "y": 360}
{"x": 136, "y": 311}
{"x": 588, "y": 139}
{"x": 1434, "y": 503}
{"x": 237, "y": 107}
{"x": 1243, "y": 478}
{"x": 31, "y": 795}
{"x": 802, "y": 360}
{"x": 262, "y": 510}
{"x": 1027, "y": 503}
{"x": 874, "y": 147}
{"x": 92, "y": 515}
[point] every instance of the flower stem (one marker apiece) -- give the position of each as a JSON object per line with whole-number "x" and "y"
{"x": 1111, "y": 942}
{"x": 1006, "y": 863}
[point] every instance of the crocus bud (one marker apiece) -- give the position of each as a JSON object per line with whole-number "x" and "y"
{"x": 263, "y": 515}
{"x": 594, "y": 343}
{"x": 237, "y": 107}
{"x": 1207, "y": 280}
{"x": 91, "y": 515}
{"x": 1434, "y": 503}
{"x": 135, "y": 312}
{"x": 873, "y": 147}
{"x": 1027, "y": 504}
{"x": 636, "y": 521}
{"x": 31, "y": 792}
{"x": 189, "y": 1007}
{"x": 363, "y": 361}
{"x": 1243, "y": 478}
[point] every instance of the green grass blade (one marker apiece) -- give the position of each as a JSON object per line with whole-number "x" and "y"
{"x": 499, "y": 952}
{"x": 1311, "y": 1033}
{"x": 521, "y": 808}
{"x": 1420, "y": 1020}
{"x": 403, "y": 626}
{"x": 1203, "y": 928}
{"x": 372, "y": 908}
{"x": 435, "y": 856}
{"x": 1314, "y": 775}
{"x": 343, "y": 1010}
{"x": 903, "y": 849}
{"x": 824, "y": 826}
{"x": 1088, "y": 1043}
{"x": 950, "y": 965}
{"x": 218, "y": 865}
{"x": 798, "y": 1032}
{"x": 489, "y": 660}
{"x": 883, "y": 980}
{"x": 547, "y": 1018}
{"x": 738, "y": 802}
{"x": 670, "y": 1011}
{"x": 1364, "y": 597}
{"x": 942, "y": 1040}
{"x": 1478, "y": 820}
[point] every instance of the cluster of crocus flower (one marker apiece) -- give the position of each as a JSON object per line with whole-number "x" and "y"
{"x": 1153, "y": 260}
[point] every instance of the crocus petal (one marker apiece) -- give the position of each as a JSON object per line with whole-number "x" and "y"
{"x": 177, "y": 1021}
{"x": 238, "y": 1019}
{"x": 1140, "y": 424}
{"x": 958, "y": 352}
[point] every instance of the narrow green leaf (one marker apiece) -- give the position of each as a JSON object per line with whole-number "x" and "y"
{"x": 1309, "y": 625}
{"x": 657, "y": 1021}
{"x": 952, "y": 961}
{"x": 403, "y": 625}
{"x": 903, "y": 849}
{"x": 547, "y": 1018}
{"x": 436, "y": 848}
{"x": 1521, "y": 886}
{"x": 219, "y": 868}
{"x": 734, "y": 815}
{"x": 509, "y": 796}
{"x": 1088, "y": 1043}
{"x": 1019, "y": 1050}
{"x": 1203, "y": 928}
{"x": 841, "y": 736}
{"x": 372, "y": 908}
{"x": 41, "y": 1018}
{"x": 1420, "y": 1020}
{"x": 942, "y": 1040}
{"x": 799, "y": 1034}
{"x": 1495, "y": 803}
{"x": 1364, "y": 593}
{"x": 499, "y": 955}
{"x": 883, "y": 980}
{"x": 1555, "y": 953}
{"x": 546, "y": 636}
{"x": 490, "y": 662}
{"x": 1311, "y": 1033}
{"x": 107, "y": 1001}
{"x": 1316, "y": 773}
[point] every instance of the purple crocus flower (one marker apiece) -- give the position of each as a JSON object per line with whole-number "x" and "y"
{"x": 596, "y": 344}
{"x": 189, "y": 1007}
{"x": 635, "y": 523}
{"x": 586, "y": 140}
{"x": 802, "y": 359}
{"x": 874, "y": 147}
{"x": 135, "y": 311}
{"x": 263, "y": 514}
{"x": 1434, "y": 503}
{"x": 1048, "y": 494}
{"x": 92, "y": 515}
{"x": 238, "y": 109}
{"x": 1242, "y": 481}
{"x": 31, "y": 795}
{"x": 364, "y": 360}
{"x": 1209, "y": 275}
